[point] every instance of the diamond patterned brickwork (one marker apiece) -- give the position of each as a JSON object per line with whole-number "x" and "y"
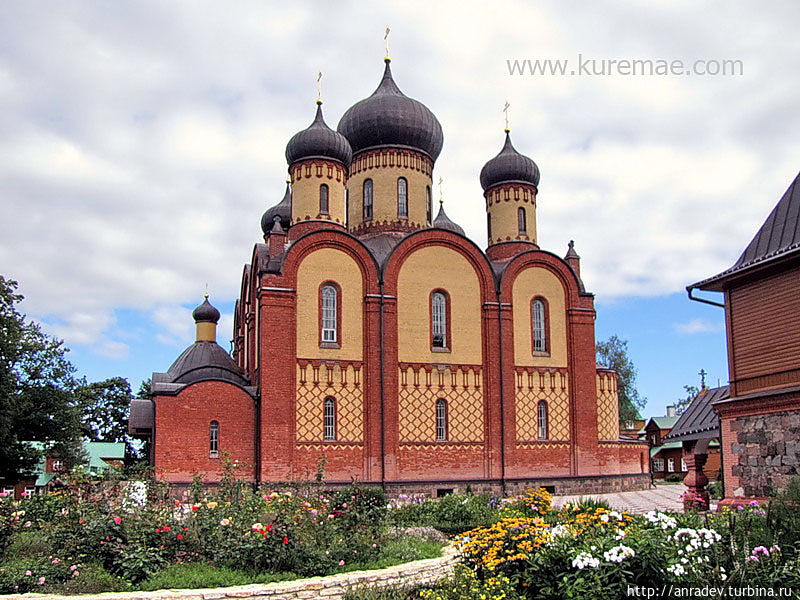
{"x": 607, "y": 406}
{"x": 460, "y": 385}
{"x": 341, "y": 381}
{"x": 534, "y": 385}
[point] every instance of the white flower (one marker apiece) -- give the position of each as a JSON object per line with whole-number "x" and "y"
{"x": 618, "y": 553}
{"x": 676, "y": 570}
{"x": 620, "y": 534}
{"x": 584, "y": 559}
{"x": 604, "y": 518}
{"x": 257, "y": 526}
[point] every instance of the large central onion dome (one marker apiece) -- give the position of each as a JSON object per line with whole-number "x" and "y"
{"x": 319, "y": 141}
{"x": 509, "y": 166}
{"x": 390, "y": 118}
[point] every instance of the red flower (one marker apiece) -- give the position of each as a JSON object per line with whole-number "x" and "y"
{"x": 269, "y": 528}
{"x": 180, "y": 537}
{"x": 194, "y": 509}
{"x": 166, "y": 529}
{"x": 285, "y": 541}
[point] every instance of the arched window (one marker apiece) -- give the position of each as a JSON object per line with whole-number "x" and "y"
{"x": 521, "y": 221}
{"x": 329, "y": 314}
{"x": 367, "y": 199}
{"x": 428, "y": 204}
{"x": 539, "y": 325}
{"x": 329, "y": 420}
{"x": 323, "y": 199}
{"x": 439, "y": 320}
{"x": 542, "y": 419}
{"x": 213, "y": 438}
{"x": 441, "y": 420}
{"x": 489, "y": 226}
{"x": 402, "y": 198}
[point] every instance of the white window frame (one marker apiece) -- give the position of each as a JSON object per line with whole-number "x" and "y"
{"x": 213, "y": 439}
{"x": 541, "y": 419}
{"x": 30, "y": 490}
{"x": 326, "y": 196}
{"x": 439, "y": 319}
{"x": 402, "y": 197}
{"x": 441, "y": 420}
{"x": 57, "y": 464}
{"x": 9, "y": 491}
{"x": 366, "y": 199}
{"x": 329, "y": 419}
{"x": 670, "y": 465}
{"x": 658, "y": 465}
{"x": 329, "y": 316}
{"x": 539, "y": 326}
{"x": 683, "y": 465}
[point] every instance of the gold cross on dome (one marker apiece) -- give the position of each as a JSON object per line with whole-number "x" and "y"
{"x": 441, "y": 194}
{"x": 505, "y": 115}
{"x": 386, "y": 39}
{"x": 319, "y": 87}
{"x": 206, "y": 294}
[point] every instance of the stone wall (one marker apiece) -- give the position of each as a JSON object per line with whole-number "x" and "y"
{"x": 333, "y": 587}
{"x": 765, "y": 451}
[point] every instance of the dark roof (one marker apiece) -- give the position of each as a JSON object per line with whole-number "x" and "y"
{"x": 509, "y": 165}
{"x": 777, "y": 237}
{"x": 382, "y": 244}
{"x": 282, "y": 209}
{"x": 142, "y": 416}
{"x": 699, "y": 420}
{"x": 319, "y": 141}
{"x": 390, "y": 118}
{"x": 442, "y": 221}
{"x": 205, "y": 313}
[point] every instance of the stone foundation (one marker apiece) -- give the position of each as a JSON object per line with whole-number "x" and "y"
{"x": 765, "y": 451}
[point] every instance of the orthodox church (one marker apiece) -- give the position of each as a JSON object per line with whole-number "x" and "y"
{"x": 374, "y": 339}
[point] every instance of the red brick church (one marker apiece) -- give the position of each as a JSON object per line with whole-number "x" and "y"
{"x": 372, "y": 333}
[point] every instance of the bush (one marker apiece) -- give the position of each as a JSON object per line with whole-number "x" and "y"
{"x": 673, "y": 478}
{"x": 465, "y": 585}
{"x": 452, "y": 514}
{"x": 407, "y": 592}
{"x": 93, "y": 579}
{"x": 203, "y": 575}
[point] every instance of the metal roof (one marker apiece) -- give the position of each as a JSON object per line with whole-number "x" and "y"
{"x": 778, "y": 237}
{"x": 699, "y": 420}
{"x": 509, "y": 165}
{"x": 663, "y": 422}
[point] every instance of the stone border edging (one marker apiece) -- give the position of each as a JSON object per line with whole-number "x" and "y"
{"x": 331, "y": 587}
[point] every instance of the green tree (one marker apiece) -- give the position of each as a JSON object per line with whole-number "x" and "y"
{"x": 36, "y": 392}
{"x": 613, "y": 354}
{"x": 105, "y": 408}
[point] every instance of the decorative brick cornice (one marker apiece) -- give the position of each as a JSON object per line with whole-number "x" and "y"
{"x": 319, "y": 168}
{"x": 391, "y": 158}
{"x": 372, "y": 227}
{"x": 506, "y": 192}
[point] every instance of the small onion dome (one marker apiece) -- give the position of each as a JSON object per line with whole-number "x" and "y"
{"x": 571, "y": 250}
{"x": 319, "y": 141}
{"x": 205, "y": 313}
{"x": 442, "y": 221}
{"x": 390, "y": 118}
{"x": 282, "y": 209}
{"x": 509, "y": 166}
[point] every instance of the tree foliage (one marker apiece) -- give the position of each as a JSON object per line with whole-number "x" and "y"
{"x": 613, "y": 354}
{"x": 105, "y": 407}
{"x": 36, "y": 391}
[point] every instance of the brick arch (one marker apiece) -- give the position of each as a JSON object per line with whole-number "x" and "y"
{"x": 573, "y": 288}
{"x": 438, "y": 237}
{"x": 337, "y": 240}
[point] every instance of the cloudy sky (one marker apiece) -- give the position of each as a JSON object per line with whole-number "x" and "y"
{"x": 141, "y": 141}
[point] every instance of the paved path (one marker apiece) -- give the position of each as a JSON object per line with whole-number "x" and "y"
{"x": 662, "y": 497}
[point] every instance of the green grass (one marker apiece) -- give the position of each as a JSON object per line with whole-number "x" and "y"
{"x": 201, "y": 575}
{"x": 396, "y": 552}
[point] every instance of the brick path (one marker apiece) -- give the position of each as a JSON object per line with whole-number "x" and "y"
{"x": 662, "y": 497}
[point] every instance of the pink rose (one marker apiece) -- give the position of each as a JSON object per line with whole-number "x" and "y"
{"x": 73, "y": 567}
{"x": 41, "y": 580}
{"x": 117, "y": 520}
{"x": 75, "y": 573}
{"x": 341, "y": 563}
{"x": 28, "y": 573}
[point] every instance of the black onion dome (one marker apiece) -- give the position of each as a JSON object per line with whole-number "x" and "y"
{"x": 509, "y": 166}
{"x": 442, "y": 221}
{"x": 204, "y": 361}
{"x": 390, "y": 118}
{"x": 319, "y": 141}
{"x": 282, "y": 209}
{"x": 205, "y": 313}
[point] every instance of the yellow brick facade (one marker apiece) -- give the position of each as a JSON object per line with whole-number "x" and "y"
{"x": 384, "y": 167}
{"x": 329, "y": 264}
{"x": 531, "y": 283}
{"x": 428, "y": 269}
{"x": 307, "y": 178}
{"x": 534, "y": 386}
{"x": 502, "y": 204}
{"x": 607, "y": 406}
{"x": 343, "y": 383}
{"x": 461, "y": 386}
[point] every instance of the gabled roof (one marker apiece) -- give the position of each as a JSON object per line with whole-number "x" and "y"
{"x": 778, "y": 237}
{"x": 699, "y": 420}
{"x": 663, "y": 422}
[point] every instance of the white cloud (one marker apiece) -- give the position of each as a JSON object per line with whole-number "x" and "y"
{"x": 696, "y": 326}
{"x": 141, "y": 144}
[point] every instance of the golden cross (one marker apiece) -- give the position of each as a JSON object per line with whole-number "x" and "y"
{"x": 206, "y": 294}
{"x": 386, "y": 38}
{"x": 319, "y": 87}
{"x": 505, "y": 115}
{"x": 441, "y": 195}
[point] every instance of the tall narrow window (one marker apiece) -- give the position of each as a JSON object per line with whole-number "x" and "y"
{"x": 213, "y": 438}
{"x": 428, "y": 204}
{"x": 542, "y": 419}
{"x": 523, "y": 226}
{"x": 539, "y": 325}
{"x": 402, "y": 198}
{"x": 328, "y": 316}
{"x": 441, "y": 420}
{"x": 367, "y": 199}
{"x": 439, "y": 320}
{"x": 329, "y": 418}
{"x": 323, "y": 199}
{"x": 489, "y": 227}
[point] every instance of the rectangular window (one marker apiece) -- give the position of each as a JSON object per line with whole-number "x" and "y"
{"x": 441, "y": 421}
{"x": 402, "y": 198}
{"x": 56, "y": 466}
{"x": 367, "y": 199}
{"x": 539, "y": 326}
{"x": 671, "y": 465}
{"x": 683, "y": 465}
{"x": 329, "y": 418}
{"x": 29, "y": 491}
{"x": 329, "y": 302}
{"x": 439, "y": 320}
{"x": 213, "y": 439}
{"x": 9, "y": 492}
{"x": 658, "y": 465}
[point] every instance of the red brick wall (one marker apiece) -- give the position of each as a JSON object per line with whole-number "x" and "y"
{"x": 182, "y": 431}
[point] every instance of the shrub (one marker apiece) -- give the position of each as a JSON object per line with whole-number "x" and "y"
{"x": 465, "y": 585}
{"x": 203, "y": 575}
{"x": 673, "y": 478}
{"x": 406, "y": 592}
{"x": 93, "y": 579}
